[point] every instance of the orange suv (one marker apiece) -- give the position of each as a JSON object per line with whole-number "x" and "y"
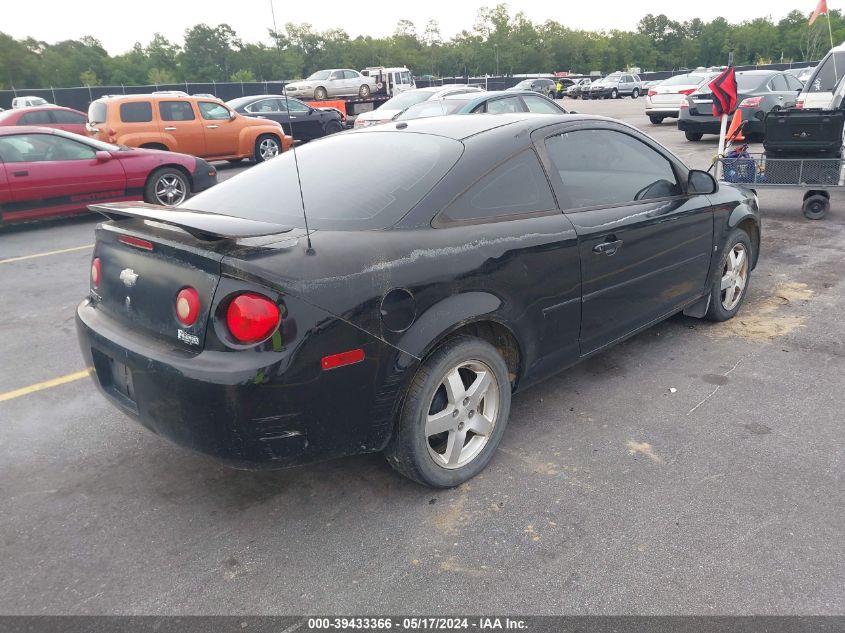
{"x": 191, "y": 125}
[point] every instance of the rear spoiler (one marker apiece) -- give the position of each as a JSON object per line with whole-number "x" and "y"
{"x": 202, "y": 225}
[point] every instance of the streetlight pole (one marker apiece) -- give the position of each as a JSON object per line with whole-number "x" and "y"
{"x": 496, "y": 46}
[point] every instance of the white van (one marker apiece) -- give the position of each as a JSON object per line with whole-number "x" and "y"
{"x": 819, "y": 89}
{"x": 390, "y": 81}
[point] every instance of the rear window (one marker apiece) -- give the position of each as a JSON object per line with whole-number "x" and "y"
{"x": 827, "y": 74}
{"x": 683, "y": 80}
{"x": 97, "y": 112}
{"x": 136, "y": 112}
{"x": 63, "y": 116}
{"x": 401, "y": 168}
{"x": 40, "y": 117}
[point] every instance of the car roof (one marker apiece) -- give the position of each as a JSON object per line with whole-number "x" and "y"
{"x": 46, "y": 106}
{"x": 462, "y": 126}
{"x": 760, "y": 73}
{"x": 34, "y": 129}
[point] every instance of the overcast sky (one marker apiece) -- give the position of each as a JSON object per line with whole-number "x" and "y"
{"x": 119, "y": 24}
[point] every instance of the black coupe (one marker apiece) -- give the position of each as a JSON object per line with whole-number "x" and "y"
{"x": 298, "y": 119}
{"x": 478, "y": 255}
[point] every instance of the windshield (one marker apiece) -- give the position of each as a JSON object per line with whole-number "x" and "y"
{"x": 320, "y": 74}
{"x": 407, "y": 99}
{"x": 401, "y": 168}
{"x": 434, "y": 107}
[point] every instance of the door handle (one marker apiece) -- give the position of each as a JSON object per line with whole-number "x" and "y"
{"x": 20, "y": 173}
{"x": 170, "y": 129}
{"x": 212, "y": 127}
{"x": 608, "y": 248}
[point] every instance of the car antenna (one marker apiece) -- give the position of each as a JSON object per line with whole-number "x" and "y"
{"x": 310, "y": 249}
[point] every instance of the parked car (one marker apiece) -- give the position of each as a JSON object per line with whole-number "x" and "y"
{"x": 500, "y": 251}
{"x": 48, "y": 172}
{"x": 544, "y": 86}
{"x": 390, "y": 108}
{"x": 66, "y": 119}
{"x": 817, "y": 91}
{"x": 663, "y": 101}
{"x": 26, "y": 102}
{"x": 192, "y": 125}
{"x": 298, "y": 119}
{"x": 802, "y": 74}
{"x": 615, "y": 86}
{"x": 758, "y": 92}
{"x": 494, "y": 102}
{"x": 576, "y": 90}
{"x": 338, "y": 82}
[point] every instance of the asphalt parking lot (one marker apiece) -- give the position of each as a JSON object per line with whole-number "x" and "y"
{"x": 696, "y": 468}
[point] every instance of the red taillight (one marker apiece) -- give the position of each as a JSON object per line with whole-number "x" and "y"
{"x": 137, "y": 242}
{"x": 95, "y": 272}
{"x": 251, "y": 317}
{"x": 187, "y": 306}
{"x": 651, "y": 92}
{"x": 751, "y": 102}
{"x": 799, "y": 105}
{"x": 344, "y": 358}
{"x": 688, "y": 91}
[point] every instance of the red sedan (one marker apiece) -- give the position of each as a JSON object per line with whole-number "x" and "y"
{"x": 46, "y": 172}
{"x": 54, "y": 116}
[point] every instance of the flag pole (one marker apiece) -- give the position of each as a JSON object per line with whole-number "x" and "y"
{"x": 724, "y": 126}
{"x": 830, "y": 31}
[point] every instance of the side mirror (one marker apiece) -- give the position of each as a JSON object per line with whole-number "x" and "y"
{"x": 311, "y": 111}
{"x": 232, "y": 115}
{"x": 701, "y": 182}
{"x": 102, "y": 156}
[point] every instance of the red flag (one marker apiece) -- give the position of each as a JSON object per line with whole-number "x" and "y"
{"x": 723, "y": 88}
{"x": 821, "y": 7}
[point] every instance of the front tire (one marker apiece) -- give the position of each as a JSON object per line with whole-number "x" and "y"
{"x": 167, "y": 187}
{"x": 730, "y": 286}
{"x": 816, "y": 206}
{"x": 453, "y": 415}
{"x": 694, "y": 136}
{"x": 364, "y": 91}
{"x": 320, "y": 93}
{"x": 333, "y": 127}
{"x": 266, "y": 147}
{"x": 614, "y": 94}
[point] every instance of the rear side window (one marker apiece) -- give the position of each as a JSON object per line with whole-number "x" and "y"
{"x": 778, "y": 84}
{"x": 538, "y": 104}
{"x": 175, "y": 111}
{"x": 97, "y": 112}
{"x": 35, "y": 118}
{"x": 63, "y": 116}
{"x": 606, "y": 167}
{"x": 401, "y": 169}
{"x": 499, "y": 106}
{"x": 136, "y": 112}
{"x": 516, "y": 187}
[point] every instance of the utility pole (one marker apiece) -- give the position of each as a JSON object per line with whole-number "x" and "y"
{"x": 496, "y": 46}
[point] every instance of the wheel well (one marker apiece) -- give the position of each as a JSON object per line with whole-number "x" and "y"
{"x": 160, "y": 146}
{"x": 499, "y": 337}
{"x": 750, "y": 227}
{"x": 184, "y": 171}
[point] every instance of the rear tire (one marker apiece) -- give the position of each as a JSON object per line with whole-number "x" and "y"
{"x": 267, "y": 146}
{"x": 464, "y": 388}
{"x": 635, "y": 94}
{"x": 167, "y": 186}
{"x": 816, "y": 207}
{"x": 726, "y": 302}
{"x": 656, "y": 120}
{"x": 694, "y": 136}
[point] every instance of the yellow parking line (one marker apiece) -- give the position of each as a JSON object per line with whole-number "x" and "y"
{"x": 47, "y": 384}
{"x": 58, "y": 252}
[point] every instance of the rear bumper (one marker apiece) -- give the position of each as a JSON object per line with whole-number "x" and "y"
{"x": 702, "y": 126}
{"x": 272, "y": 409}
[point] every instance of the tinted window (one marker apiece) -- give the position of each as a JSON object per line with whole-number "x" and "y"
{"x": 265, "y": 105}
{"x": 401, "y": 168}
{"x": 794, "y": 83}
{"x": 538, "y": 104}
{"x": 135, "y": 112}
{"x": 63, "y": 116}
{"x": 35, "y": 118}
{"x": 515, "y": 187}
{"x": 778, "y": 84}
{"x": 39, "y": 148}
{"x": 294, "y": 106}
{"x": 97, "y": 112}
{"x": 175, "y": 111}
{"x": 433, "y": 107}
{"x": 827, "y": 74}
{"x": 683, "y": 80}
{"x": 498, "y": 106}
{"x": 338, "y": 74}
{"x": 213, "y": 111}
{"x": 606, "y": 167}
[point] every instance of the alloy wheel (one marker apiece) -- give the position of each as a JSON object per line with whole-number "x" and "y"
{"x": 268, "y": 148}
{"x": 462, "y": 414}
{"x": 170, "y": 190}
{"x": 734, "y": 276}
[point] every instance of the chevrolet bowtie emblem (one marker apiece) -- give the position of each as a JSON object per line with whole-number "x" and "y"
{"x": 128, "y": 277}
